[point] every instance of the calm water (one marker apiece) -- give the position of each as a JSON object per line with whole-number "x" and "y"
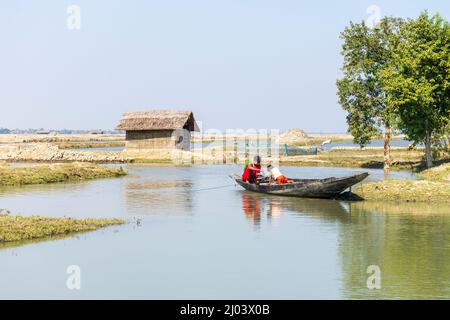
{"x": 188, "y": 238}
{"x": 374, "y": 143}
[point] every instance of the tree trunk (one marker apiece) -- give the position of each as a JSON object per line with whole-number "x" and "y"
{"x": 428, "y": 155}
{"x": 387, "y": 149}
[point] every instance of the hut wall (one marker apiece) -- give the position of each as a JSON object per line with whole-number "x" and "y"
{"x": 158, "y": 140}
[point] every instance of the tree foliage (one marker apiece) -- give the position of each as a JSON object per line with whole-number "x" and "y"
{"x": 417, "y": 80}
{"x": 397, "y": 75}
{"x": 367, "y": 52}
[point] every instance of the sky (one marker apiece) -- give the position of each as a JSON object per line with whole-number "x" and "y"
{"x": 236, "y": 63}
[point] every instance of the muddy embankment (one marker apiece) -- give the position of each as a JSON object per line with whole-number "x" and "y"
{"x": 46, "y": 152}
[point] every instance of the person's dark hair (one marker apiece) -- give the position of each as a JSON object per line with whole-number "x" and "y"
{"x": 257, "y": 159}
{"x": 269, "y": 166}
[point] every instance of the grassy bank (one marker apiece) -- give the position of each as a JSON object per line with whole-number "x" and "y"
{"x": 365, "y": 158}
{"x": 405, "y": 190}
{"x": 16, "y": 228}
{"x": 89, "y": 144}
{"x": 40, "y": 174}
{"x": 439, "y": 173}
{"x": 435, "y": 187}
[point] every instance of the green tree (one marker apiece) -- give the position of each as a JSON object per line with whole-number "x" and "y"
{"x": 418, "y": 80}
{"x": 367, "y": 52}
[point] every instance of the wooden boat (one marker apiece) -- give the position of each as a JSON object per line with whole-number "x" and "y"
{"x": 305, "y": 188}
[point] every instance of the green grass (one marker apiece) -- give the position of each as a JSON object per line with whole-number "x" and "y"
{"x": 151, "y": 161}
{"x": 41, "y": 174}
{"x": 435, "y": 187}
{"x": 404, "y": 190}
{"x": 365, "y": 158}
{"x": 18, "y": 228}
{"x": 88, "y": 144}
{"x": 438, "y": 173}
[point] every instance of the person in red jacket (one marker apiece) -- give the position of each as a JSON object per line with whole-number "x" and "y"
{"x": 252, "y": 170}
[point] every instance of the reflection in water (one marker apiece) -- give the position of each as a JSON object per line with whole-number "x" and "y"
{"x": 49, "y": 188}
{"x": 159, "y": 184}
{"x": 147, "y": 197}
{"x": 251, "y": 206}
{"x": 274, "y": 209}
{"x": 14, "y": 244}
{"x": 410, "y": 244}
{"x": 254, "y": 205}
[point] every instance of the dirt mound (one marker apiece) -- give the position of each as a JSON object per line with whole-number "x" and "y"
{"x": 293, "y": 136}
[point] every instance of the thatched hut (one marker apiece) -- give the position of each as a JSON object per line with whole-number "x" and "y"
{"x": 158, "y": 130}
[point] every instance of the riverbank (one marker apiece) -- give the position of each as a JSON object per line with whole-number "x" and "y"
{"x": 18, "y": 228}
{"x": 401, "y": 158}
{"x": 50, "y": 149}
{"x": 439, "y": 173}
{"x": 41, "y": 174}
{"x": 434, "y": 188}
{"x": 404, "y": 190}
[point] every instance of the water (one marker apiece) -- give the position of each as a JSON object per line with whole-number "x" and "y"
{"x": 399, "y": 143}
{"x": 188, "y": 241}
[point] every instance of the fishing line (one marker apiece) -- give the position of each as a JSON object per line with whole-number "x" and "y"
{"x": 213, "y": 188}
{"x": 195, "y": 190}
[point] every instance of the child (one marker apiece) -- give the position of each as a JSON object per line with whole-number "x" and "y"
{"x": 276, "y": 174}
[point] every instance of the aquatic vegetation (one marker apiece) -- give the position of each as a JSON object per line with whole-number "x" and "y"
{"x": 40, "y": 174}
{"x": 18, "y": 228}
{"x": 405, "y": 190}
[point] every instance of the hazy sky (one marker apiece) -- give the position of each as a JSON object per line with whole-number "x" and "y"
{"x": 235, "y": 63}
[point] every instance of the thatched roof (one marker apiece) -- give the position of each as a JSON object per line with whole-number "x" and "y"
{"x": 158, "y": 120}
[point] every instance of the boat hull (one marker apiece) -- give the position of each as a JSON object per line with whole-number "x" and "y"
{"x": 305, "y": 188}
